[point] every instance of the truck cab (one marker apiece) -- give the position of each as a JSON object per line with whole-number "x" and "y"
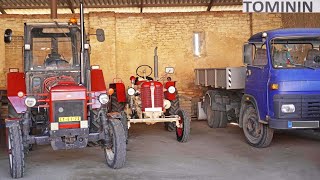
{"x": 282, "y": 80}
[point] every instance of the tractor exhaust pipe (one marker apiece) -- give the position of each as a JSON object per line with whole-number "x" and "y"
{"x": 82, "y": 70}
{"x": 156, "y": 67}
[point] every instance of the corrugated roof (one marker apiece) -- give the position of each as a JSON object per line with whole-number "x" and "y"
{"x": 7, "y": 6}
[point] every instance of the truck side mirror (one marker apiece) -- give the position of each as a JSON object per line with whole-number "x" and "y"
{"x": 100, "y": 35}
{"x": 8, "y": 36}
{"x": 248, "y": 53}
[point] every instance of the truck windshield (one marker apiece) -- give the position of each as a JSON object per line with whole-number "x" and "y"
{"x": 55, "y": 48}
{"x": 295, "y": 53}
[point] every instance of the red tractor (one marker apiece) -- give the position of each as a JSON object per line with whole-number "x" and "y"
{"x": 151, "y": 101}
{"x": 59, "y": 99}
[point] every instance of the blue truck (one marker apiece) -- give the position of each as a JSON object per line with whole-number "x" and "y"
{"x": 278, "y": 88}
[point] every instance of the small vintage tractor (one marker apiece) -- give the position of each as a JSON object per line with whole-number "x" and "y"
{"x": 150, "y": 101}
{"x": 59, "y": 99}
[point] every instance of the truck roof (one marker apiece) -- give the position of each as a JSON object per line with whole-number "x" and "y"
{"x": 286, "y": 32}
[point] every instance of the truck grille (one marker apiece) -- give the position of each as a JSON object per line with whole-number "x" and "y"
{"x": 146, "y": 95}
{"x": 311, "y": 106}
{"x": 70, "y": 108}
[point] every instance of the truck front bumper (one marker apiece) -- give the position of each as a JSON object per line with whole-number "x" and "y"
{"x": 294, "y": 124}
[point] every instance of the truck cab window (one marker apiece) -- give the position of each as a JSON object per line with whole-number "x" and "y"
{"x": 260, "y": 58}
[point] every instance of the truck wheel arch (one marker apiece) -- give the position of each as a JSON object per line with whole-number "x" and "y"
{"x": 245, "y": 101}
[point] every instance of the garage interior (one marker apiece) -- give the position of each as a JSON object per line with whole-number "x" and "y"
{"x": 133, "y": 28}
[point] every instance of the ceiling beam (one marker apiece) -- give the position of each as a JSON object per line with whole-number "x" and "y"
{"x": 2, "y": 10}
{"x": 210, "y": 5}
{"x": 71, "y": 7}
{"x": 127, "y": 5}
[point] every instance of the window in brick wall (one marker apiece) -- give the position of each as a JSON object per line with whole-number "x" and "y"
{"x": 198, "y": 39}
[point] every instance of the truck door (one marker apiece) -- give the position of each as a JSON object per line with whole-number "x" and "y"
{"x": 257, "y": 79}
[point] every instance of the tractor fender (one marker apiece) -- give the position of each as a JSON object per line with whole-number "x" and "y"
{"x": 15, "y": 84}
{"x": 97, "y": 86}
{"x": 120, "y": 91}
{"x": 245, "y": 101}
{"x": 217, "y": 100}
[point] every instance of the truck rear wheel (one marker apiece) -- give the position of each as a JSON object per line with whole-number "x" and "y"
{"x": 15, "y": 152}
{"x": 115, "y": 149}
{"x": 183, "y": 132}
{"x": 257, "y": 134}
{"x": 216, "y": 119}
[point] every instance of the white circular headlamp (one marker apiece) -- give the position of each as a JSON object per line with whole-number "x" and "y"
{"x": 131, "y": 91}
{"x": 30, "y": 101}
{"x": 103, "y": 98}
{"x": 171, "y": 89}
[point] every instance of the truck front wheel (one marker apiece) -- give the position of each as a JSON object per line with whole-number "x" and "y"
{"x": 257, "y": 134}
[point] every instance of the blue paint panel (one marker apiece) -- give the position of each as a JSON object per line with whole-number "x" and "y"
{"x": 289, "y": 124}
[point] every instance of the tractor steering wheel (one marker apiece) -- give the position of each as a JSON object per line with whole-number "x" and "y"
{"x": 144, "y": 69}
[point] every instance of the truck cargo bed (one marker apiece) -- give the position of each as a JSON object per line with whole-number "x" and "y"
{"x": 226, "y": 78}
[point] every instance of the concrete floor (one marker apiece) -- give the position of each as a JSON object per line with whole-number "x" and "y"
{"x": 154, "y": 154}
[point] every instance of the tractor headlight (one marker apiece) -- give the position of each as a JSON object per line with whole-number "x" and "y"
{"x": 103, "y": 98}
{"x": 131, "y": 91}
{"x": 288, "y": 108}
{"x": 30, "y": 101}
{"x": 171, "y": 89}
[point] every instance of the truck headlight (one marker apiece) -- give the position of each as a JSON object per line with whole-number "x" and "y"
{"x": 171, "y": 89}
{"x": 288, "y": 108}
{"x": 103, "y": 98}
{"x": 30, "y": 101}
{"x": 131, "y": 91}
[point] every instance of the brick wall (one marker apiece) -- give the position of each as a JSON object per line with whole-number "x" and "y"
{"x": 131, "y": 39}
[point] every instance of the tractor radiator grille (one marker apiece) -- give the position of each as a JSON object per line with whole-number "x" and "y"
{"x": 146, "y": 95}
{"x": 70, "y": 108}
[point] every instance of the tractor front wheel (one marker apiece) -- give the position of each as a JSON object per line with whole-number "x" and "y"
{"x": 115, "y": 148}
{"x": 183, "y": 131}
{"x": 15, "y": 152}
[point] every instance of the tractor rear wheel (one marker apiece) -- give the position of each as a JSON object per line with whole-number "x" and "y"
{"x": 15, "y": 152}
{"x": 183, "y": 131}
{"x": 257, "y": 134}
{"x": 12, "y": 113}
{"x": 115, "y": 149}
{"x": 95, "y": 121}
{"x": 116, "y": 106}
{"x": 171, "y": 126}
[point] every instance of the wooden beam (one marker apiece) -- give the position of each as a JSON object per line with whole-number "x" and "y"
{"x": 210, "y": 5}
{"x": 141, "y": 6}
{"x": 53, "y": 7}
{"x": 2, "y": 10}
{"x": 71, "y": 7}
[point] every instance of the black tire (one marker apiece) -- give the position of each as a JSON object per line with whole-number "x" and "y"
{"x": 183, "y": 133}
{"x": 95, "y": 124}
{"x": 124, "y": 121}
{"x": 257, "y": 134}
{"x": 12, "y": 113}
{"x": 212, "y": 119}
{"x": 15, "y": 152}
{"x": 175, "y": 106}
{"x": 223, "y": 119}
{"x": 115, "y": 105}
{"x": 115, "y": 151}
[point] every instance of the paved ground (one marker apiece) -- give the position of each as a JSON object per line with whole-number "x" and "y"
{"x": 154, "y": 154}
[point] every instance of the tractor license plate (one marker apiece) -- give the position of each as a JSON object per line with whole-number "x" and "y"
{"x": 70, "y": 119}
{"x": 303, "y": 124}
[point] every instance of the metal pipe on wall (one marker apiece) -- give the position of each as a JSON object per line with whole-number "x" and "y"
{"x": 54, "y": 9}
